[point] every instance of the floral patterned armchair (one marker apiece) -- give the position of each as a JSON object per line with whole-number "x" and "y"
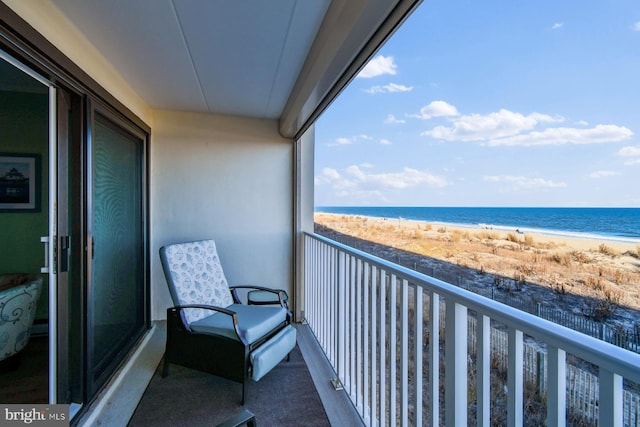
{"x": 209, "y": 329}
{"x": 18, "y": 299}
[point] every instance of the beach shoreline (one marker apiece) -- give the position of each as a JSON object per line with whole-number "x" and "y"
{"x": 582, "y": 241}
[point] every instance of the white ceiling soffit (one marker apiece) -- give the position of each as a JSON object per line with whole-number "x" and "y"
{"x": 278, "y": 59}
{"x": 222, "y": 56}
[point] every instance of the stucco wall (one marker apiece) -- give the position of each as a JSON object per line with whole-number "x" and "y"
{"x": 226, "y": 178}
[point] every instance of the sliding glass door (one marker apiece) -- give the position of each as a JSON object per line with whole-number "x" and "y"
{"x": 88, "y": 207}
{"x": 116, "y": 308}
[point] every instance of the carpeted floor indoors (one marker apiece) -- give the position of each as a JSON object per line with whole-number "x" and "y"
{"x": 284, "y": 397}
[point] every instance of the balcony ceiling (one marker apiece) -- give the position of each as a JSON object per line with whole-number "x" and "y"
{"x": 222, "y": 56}
{"x": 272, "y": 59}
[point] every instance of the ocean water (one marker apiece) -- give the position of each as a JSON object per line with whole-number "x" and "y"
{"x": 621, "y": 224}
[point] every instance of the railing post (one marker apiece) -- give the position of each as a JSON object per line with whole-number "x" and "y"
{"x": 434, "y": 358}
{"x": 611, "y": 403}
{"x": 341, "y": 317}
{"x": 483, "y": 370}
{"x": 557, "y": 387}
{"x": 417, "y": 358}
{"x": 393, "y": 300}
{"x": 359, "y": 352}
{"x": 404, "y": 353}
{"x": 365, "y": 346}
{"x": 514, "y": 378}
{"x": 383, "y": 348}
{"x": 352, "y": 324}
{"x": 373, "y": 347}
{"x": 456, "y": 364}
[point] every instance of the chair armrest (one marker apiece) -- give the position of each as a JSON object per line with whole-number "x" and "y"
{"x": 277, "y": 292}
{"x": 207, "y": 307}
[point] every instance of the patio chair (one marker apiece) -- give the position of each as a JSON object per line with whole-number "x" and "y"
{"x": 209, "y": 329}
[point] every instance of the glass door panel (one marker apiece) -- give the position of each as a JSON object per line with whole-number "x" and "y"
{"x": 116, "y": 297}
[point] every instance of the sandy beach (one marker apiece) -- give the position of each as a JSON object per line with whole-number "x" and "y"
{"x": 589, "y": 276}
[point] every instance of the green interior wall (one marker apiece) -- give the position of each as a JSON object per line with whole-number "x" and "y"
{"x": 24, "y": 128}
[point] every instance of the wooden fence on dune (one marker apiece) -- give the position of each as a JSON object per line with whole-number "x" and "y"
{"x": 582, "y": 385}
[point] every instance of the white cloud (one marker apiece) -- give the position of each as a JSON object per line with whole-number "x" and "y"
{"x": 390, "y": 88}
{"x": 557, "y": 25}
{"x": 603, "y": 174}
{"x": 629, "y": 151}
{"x": 378, "y": 66}
{"x": 636, "y": 26}
{"x": 344, "y": 141}
{"x": 556, "y": 136}
{"x": 408, "y": 177}
{"x": 385, "y": 141}
{"x": 582, "y": 123}
{"x": 349, "y": 140}
{"x": 358, "y": 182}
{"x": 330, "y": 174}
{"x": 521, "y": 182}
{"x": 510, "y": 128}
{"x": 478, "y": 127}
{"x": 326, "y": 176}
{"x": 391, "y": 119}
{"x": 436, "y": 109}
{"x": 633, "y": 153}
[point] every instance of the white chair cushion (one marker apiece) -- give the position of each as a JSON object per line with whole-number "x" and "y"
{"x": 254, "y": 321}
{"x": 197, "y": 277}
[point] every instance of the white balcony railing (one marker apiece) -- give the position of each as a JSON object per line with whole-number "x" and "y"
{"x": 379, "y": 325}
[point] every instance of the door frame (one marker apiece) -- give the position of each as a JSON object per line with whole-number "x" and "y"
{"x": 30, "y": 49}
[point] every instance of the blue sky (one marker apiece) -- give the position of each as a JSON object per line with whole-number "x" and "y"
{"x": 493, "y": 103}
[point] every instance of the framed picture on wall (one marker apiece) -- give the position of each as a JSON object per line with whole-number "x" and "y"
{"x": 19, "y": 182}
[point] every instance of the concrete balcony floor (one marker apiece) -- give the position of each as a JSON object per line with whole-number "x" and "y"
{"x": 296, "y": 392}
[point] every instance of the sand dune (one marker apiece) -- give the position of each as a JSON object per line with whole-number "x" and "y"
{"x": 573, "y": 274}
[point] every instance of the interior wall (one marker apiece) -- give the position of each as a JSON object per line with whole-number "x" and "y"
{"x": 24, "y": 121}
{"x": 224, "y": 178}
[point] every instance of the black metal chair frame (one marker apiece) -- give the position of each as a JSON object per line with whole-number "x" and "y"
{"x": 215, "y": 354}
